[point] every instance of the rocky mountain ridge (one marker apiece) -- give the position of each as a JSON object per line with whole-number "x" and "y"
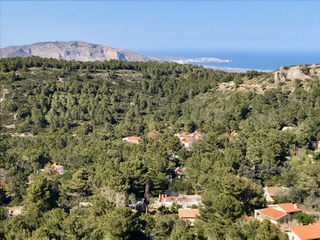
{"x": 301, "y": 72}
{"x": 72, "y": 50}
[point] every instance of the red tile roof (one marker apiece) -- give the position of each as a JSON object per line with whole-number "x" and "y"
{"x": 234, "y": 134}
{"x": 56, "y": 166}
{"x": 307, "y": 232}
{"x": 289, "y": 207}
{"x": 273, "y": 213}
{"x": 188, "y": 213}
{"x": 186, "y": 143}
{"x": 132, "y": 139}
{"x": 197, "y": 135}
{"x": 184, "y": 135}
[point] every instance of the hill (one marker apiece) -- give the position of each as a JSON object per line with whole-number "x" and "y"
{"x": 257, "y": 129}
{"x": 72, "y": 50}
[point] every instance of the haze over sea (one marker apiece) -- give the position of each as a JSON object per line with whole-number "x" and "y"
{"x": 246, "y": 60}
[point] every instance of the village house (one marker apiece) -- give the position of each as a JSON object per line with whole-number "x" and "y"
{"x": 188, "y": 214}
{"x": 85, "y": 204}
{"x": 58, "y": 168}
{"x": 132, "y": 139}
{"x": 306, "y": 232}
{"x": 278, "y": 214}
{"x": 271, "y": 192}
{"x": 187, "y": 139}
{"x": 186, "y": 201}
{"x": 13, "y": 211}
{"x": 234, "y": 134}
{"x": 180, "y": 171}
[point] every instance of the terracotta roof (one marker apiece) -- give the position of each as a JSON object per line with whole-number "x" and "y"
{"x": 274, "y": 191}
{"x": 186, "y": 142}
{"x": 307, "y": 232}
{"x": 132, "y": 139}
{"x": 197, "y": 135}
{"x": 234, "y": 134}
{"x": 184, "y": 135}
{"x": 289, "y": 207}
{"x": 180, "y": 170}
{"x": 188, "y": 213}
{"x": 56, "y": 166}
{"x": 273, "y": 213}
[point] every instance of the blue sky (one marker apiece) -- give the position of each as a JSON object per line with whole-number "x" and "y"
{"x": 144, "y": 26}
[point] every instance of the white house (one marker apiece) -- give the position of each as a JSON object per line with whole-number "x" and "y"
{"x": 278, "y": 214}
{"x": 271, "y": 192}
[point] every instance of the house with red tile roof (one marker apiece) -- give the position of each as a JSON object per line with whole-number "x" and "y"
{"x": 58, "y": 168}
{"x": 271, "y": 192}
{"x": 180, "y": 171}
{"x": 132, "y": 139}
{"x": 278, "y": 213}
{"x": 234, "y": 134}
{"x": 186, "y": 201}
{"x": 306, "y": 232}
{"x": 188, "y": 214}
{"x": 187, "y": 139}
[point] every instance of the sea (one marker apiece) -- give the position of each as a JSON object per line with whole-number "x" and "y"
{"x": 241, "y": 61}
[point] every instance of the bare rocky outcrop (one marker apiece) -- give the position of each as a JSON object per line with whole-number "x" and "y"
{"x": 73, "y": 50}
{"x": 301, "y": 72}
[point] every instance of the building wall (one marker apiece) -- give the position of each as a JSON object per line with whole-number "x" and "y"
{"x": 293, "y": 236}
{"x": 269, "y": 198}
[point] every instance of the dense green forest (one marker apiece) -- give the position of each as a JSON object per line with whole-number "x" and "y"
{"x": 76, "y": 113}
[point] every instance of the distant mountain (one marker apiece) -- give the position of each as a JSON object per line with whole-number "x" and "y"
{"x": 72, "y": 50}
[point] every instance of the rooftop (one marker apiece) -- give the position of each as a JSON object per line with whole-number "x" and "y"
{"x": 188, "y": 213}
{"x": 273, "y": 213}
{"x": 56, "y": 166}
{"x": 307, "y": 232}
{"x": 289, "y": 207}
{"x": 274, "y": 191}
{"x": 134, "y": 139}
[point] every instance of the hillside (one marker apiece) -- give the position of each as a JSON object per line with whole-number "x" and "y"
{"x": 257, "y": 129}
{"x": 72, "y": 50}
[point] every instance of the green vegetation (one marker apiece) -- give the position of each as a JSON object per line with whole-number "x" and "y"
{"x": 304, "y": 218}
{"x": 76, "y": 113}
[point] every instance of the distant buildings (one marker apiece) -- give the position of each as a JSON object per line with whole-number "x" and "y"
{"x": 132, "y": 139}
{"x": 278, "y": 214}
{"x": 58, "y": 168}
{"x": 186, "y": 201}
{"x": 234, "y": 134}
{"x": 187, "y": 139}
{"x": 180, "y": 171}
{"x": 13, "y": 211}
{"x": 188, "y": 214}
{"x": 271, "y": 192}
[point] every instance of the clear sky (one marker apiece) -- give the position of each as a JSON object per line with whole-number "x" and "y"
{"x": 166, "y": 25}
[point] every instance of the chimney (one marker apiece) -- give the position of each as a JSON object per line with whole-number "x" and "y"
{"x": 295, "y": 206}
